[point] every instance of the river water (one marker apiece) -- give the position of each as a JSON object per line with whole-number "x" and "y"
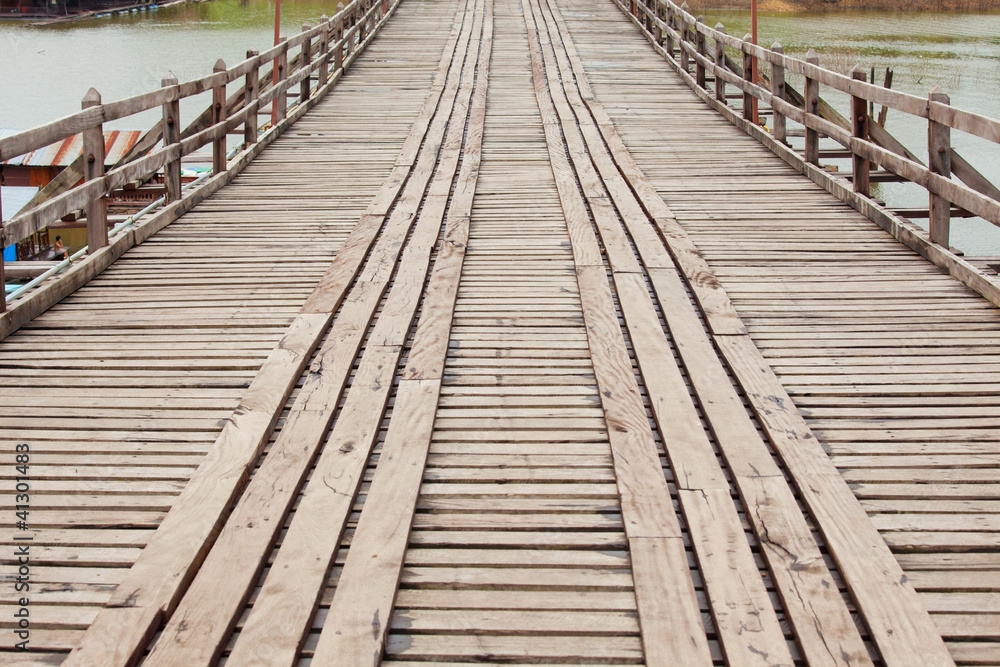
{"x": 45, "y": 71}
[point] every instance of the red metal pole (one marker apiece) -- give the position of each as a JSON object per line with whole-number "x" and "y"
{"x": 753, "y": 33}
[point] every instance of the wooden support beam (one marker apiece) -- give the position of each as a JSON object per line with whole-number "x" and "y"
{"x": 720, "y": 62}
{"x": 778, "y": 90}
{"x": 172, "y": 135}
{"x": 218, "y": 116}
{"x": 657, "y": 30}
{"x": 251, "y": 83}
{"x": 939, "y": 158}
{"x": 93, "y": 169}
{"x": 323, "y": 73}
{"x": 671, "y": 23}
{"x": 861, "y": 167}
{"x": 281, "y": 100}
{"x": 699, "y": 37}
{"x": 810, "y": 96}
{"x": 338, "y": 39}
{"x": 749, "y": 102}
{"x": 304, "y": 62}
{"x": 683, "y": 30}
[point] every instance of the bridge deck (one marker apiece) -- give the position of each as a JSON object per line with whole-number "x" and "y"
{"x": 592, "y": 378}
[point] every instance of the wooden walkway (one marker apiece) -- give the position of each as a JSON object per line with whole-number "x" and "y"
{"x": 509, "y": 352}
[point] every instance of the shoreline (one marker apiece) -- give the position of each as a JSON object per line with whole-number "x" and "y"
{"x": 912, "y": 6}
{"x": 40, "y": 19}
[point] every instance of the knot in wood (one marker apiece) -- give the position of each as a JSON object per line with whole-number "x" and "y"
{"x": 90, "y": 158}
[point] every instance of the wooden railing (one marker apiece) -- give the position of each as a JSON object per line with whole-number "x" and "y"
{"x": 699, "y": 53}
{"x": 307, "y": 66}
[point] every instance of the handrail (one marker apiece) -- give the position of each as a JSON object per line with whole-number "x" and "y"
{"x": 308, "y": 64}
{"x": 935, "y": 109}
{"x": 682, "y": 38}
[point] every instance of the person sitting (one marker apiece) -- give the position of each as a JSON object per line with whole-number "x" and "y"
{"x": 59, "y": 249}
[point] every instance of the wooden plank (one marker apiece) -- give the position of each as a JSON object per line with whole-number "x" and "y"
{"x": 653, "y": 533}
{"x": 302, "y": 564}
{"x": 691, "y": 455}
{"x": 368, "y": 584}
{"x": 153, "y": 583}
{"x": 158, "y": 572}
{"x": 479, "y": 648}
{"x": 897, "y": 619}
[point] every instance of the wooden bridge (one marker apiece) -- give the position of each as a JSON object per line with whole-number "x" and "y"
{"x": 510, "y": 350}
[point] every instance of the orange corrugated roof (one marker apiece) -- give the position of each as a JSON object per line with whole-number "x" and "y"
{"x": 116, "y": 144}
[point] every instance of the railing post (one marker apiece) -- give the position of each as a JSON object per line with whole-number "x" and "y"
{"x": 349, "y": 41}
{"x": 219, "y": 115}
{"x": 338, "y": 37}
{"x": 362, "y": 21}
{"x": 810, "y": 96}
{"x": 859, "y": 127}
{"x": 671, "y": 23}
{"x": 684, "y": 36}
{"x": 657, "y": 30}
{"x": 748, "y": 98}
{"x": 93, "y": 168}
{"x": 720, "y": 64}
{"x": 324, "y": 52}
{"x": 778, "y": 91}
{"x": 172, "y": 135}
{"x": 699, "y": 40}
{"x": 251, "y": 94}
{"x": 939, "y": 158}
{"x": 306, "y": 62}
{"x": 281, "y": 100}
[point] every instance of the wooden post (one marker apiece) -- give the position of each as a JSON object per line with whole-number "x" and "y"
{"x": 306, "y": 62}
{"x": 699, "y": 40}
{"x": 778, "y": 91}
{"x": 939, "y": 159}
{"x": 338, "y": 36}
{"x": 281, "y": 100}
{"x": 810, "y": 95}
{"x": 859, "y": 127}
{"x": 219, "y": 114}
{"x": 323, "y": 73}
{"x": 93, "y": 168}
{"x": 684, "y": 36}
{"x": 748, "y": 98}
{"x": 720, "y": 64}
{"x": 886, "y": 83}
{"x": 657, "y": 30}
{"x": 251, "y": 82}
{"x": 349, "y": 41}
{"x": 172, "y": 135}
{"x": 671, "y": 23}
{"x": 362, "y": 6}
